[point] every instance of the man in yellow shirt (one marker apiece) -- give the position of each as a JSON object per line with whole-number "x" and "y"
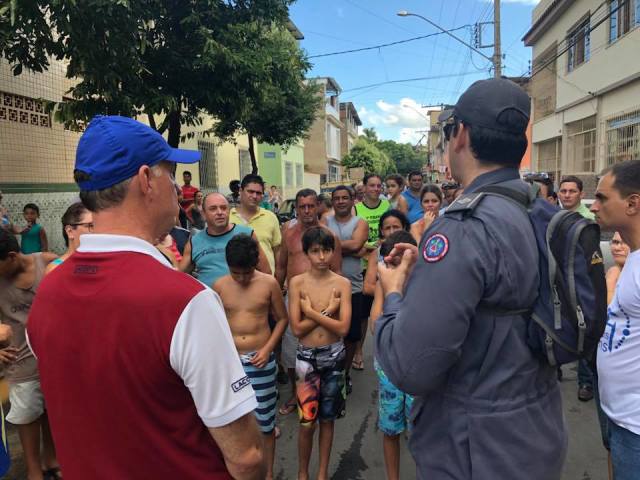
{"x": 263, "y": 222}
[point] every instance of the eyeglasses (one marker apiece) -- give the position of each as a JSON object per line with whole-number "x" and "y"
{"x": 87, "y": 225}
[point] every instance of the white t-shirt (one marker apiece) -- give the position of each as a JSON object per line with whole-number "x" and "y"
{"x": 619, "y": 350}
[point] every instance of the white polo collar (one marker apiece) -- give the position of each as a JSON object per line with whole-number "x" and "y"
{"x": 104, "y": 243}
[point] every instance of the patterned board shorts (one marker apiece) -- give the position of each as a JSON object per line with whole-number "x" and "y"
{"x": 393, "y": 405}
{"x": 320, "y": 385}
{"x": 263, "y": 381}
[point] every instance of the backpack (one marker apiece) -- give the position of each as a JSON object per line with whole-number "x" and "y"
{"x": 569, "y": 315}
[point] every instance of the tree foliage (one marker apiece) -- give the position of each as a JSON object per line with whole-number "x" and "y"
{"x": 367, "y": 155}
{"x": 171, "y": 60}
{"x": 404, "y": 156}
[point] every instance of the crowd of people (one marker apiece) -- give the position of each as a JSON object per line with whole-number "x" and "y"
{"x": 158, "y": 346}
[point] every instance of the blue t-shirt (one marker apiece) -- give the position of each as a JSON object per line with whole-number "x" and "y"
{"x": 208, "y": 253}
{"x": 415, "y": 207}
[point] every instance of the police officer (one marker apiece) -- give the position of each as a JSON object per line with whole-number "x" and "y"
{"x": 487, "y": 407}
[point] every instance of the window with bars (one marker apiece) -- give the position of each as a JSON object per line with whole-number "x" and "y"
{"x": 581, "y": 145}
{"x": 208, "y": 165}
{"x": 288, "y": 174}
{"x": 624, "y": 15}
{"x": 245, "y": 163}
{"x": 299, "y": 175}
{"x": 334, "y": 173}
{"x": 623, "y": 137}
{"x": 579, "y": 43}
{"x": 549, "y": 157}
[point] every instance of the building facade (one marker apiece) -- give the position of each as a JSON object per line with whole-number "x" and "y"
{"x": 322, "y": 148}
{"x": 350, "y": 123}
{"x": 585, "y": 86}
{"x": 282, "y": 167}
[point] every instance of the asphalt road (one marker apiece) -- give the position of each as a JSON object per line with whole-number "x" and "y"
{"x": 357, "y": 448}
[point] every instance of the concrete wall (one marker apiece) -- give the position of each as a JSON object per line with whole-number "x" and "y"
{"x": 315, "y": 146}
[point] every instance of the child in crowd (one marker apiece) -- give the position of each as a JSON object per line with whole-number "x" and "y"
{"x": 431, "y": 202}
{"x": 20, "y": 277}
{"x": 395, "y": 187}
{"x": 391, "y": 221}
{"x": 320, "y": 312}
{"x": 393, "y": 404}
{"x": 248, "y": 296}
{"x": 34, "y": 237}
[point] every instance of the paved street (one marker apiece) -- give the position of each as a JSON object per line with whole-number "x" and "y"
{"x": 357, "y": 452}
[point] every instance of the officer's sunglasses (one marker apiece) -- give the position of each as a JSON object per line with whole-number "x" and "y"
{"x": 448, "y": 127}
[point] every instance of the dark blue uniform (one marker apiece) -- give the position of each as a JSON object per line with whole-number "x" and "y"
{"x": 486, "y": 407}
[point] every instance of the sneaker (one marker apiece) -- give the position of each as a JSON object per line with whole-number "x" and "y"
{"x": 585, "y": 393}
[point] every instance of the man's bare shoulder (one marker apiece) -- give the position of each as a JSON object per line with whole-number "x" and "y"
{"x": 221, "y": 283}
{"x": 298, "y": 279}
{"x": 340, "y": 281}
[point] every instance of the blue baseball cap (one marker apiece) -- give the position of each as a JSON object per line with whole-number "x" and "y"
{"x": 112, "y": 149}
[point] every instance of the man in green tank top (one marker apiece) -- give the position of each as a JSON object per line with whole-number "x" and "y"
{"x": 372, "y": 207}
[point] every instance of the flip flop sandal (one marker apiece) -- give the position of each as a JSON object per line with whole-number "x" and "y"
{"x": 287, "y": 408}
{"x": 52, "y": 474}
{"x": 357, "y": 365}
{"x": 277, "y": 432}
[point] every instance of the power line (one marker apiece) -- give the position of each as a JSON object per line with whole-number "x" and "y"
{"x": 434, "y": 77}
{"x": 376, "y": 47}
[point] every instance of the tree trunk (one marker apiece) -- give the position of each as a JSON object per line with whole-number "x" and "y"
{"x": 174, "y": 129}
{"x": 252, "y": 154}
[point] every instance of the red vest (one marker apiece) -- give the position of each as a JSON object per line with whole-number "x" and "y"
{"x": 101, "y": 326}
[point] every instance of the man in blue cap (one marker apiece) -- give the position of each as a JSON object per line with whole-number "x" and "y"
{"x": 486, "y": 406}
{"x": 137, "y": 361}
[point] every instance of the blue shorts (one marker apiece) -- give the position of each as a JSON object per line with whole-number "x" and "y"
{"x": 393, "y": 405}
{"x": 263, "y": 381}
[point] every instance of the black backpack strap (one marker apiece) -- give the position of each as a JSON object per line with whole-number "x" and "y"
{"x": 522, "y": 198}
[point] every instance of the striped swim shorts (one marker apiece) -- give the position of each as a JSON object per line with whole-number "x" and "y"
{"x": 263, "y": 381}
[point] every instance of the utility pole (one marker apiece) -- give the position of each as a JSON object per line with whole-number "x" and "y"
{"x": 497, "y": 54}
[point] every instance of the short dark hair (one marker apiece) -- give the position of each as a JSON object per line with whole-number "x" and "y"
{"x": 31, "y": 206}
{"x": 318, "y": 236}
{"x": 251, "y": 178}
{"x": 491, "y": 146}
{"x": 326, "y": 199}
{"x": 72, "y": 215}
{"x": 401, "y": 236}
{"x": 242, "y": 252}
{"x": 342, "y": 187}
{"x": 397, "y": 214}
{"x": 626, "y": 177}
{"x": 186, "y": 172}
{"x": 431, "y": 188}
{"x": 304, "y": 193}
{"x": 414, "y": 173}
{"x": 546, "y": 181}
{"x": 396, "y": 178}
{"x": 234, "y": 184}
{"x": 572, "y": 179}
{"x": 8, "y": 244}
{"x": 370, "y": 175}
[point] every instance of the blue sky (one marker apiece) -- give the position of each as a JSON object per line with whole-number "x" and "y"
{"x": 336, "y": 25}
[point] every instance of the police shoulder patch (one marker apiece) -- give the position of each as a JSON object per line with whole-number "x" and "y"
{"x": 435, "y": 248}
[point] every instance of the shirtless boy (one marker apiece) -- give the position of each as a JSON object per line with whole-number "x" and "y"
{"x": 291, "y": 262}
{"x": 248, "y": 296}
{"x": 320, "y": 311}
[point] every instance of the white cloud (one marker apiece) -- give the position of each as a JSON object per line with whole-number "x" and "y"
{"x": 410, "y": 135}
{"x": 407, "y": 113}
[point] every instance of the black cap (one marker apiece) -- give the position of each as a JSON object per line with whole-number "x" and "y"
{"x": 496, "y": 103}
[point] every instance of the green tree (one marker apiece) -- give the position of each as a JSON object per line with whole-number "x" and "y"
{"x": 367, "y": 155}
{"x": 171, "y": 60}
{"x": 370, "y": 134}
{"x": 403, "y": 155}
{"x": 282, "y": 106}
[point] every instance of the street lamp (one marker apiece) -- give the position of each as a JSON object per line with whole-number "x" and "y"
{"x": 404, "y": 13}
